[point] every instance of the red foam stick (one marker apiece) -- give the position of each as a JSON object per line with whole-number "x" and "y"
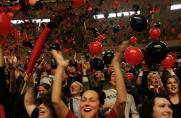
{"x": 37, "y": 49}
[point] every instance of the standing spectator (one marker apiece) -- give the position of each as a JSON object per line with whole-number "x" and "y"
{"x": 91, "y": 100}
{"x": 157, "y": 106}
{"x": 172, "y": 88}
{"x": 75, "y": 89}
{"x": 155, "y": 85}
{"x": 111, "y": 93}
{"x": 40, "y": 107}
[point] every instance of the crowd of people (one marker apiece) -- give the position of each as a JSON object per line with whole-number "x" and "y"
{"x": 74, "y": 89}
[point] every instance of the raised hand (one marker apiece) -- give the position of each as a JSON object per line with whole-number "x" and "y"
{"x": 12, "y": 60}
{"x": 119, "y": 52}
{"x": 61, "y": 62}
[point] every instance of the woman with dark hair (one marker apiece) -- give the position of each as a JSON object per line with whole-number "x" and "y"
{"x": 157, "y": 106}
{"x": 44, "y": 107}
{"x": 40, "y": 107}
{"x": 91, "y": 100}
{"x": 172, "y": 88}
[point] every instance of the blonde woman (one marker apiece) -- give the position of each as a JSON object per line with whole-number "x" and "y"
{"x": 155, "y": 85}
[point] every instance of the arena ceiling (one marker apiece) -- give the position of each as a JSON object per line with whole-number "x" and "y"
{"x": 79, "y": 27}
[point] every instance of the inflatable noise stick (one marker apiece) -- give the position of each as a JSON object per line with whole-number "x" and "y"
{"x": 35, "y": 53}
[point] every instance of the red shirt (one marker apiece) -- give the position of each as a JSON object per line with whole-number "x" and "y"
{"x": 111, "y": 114}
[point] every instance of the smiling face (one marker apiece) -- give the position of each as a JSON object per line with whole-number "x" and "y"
{"x": 75, "y": 88}
{"x": 42, "y": 90}
{"x": 161, "y": 108}
{"x": 99, "y": 76}
{"x": 44, "y": 111}
{"x": 90, "y": 104}
{"x": 172, "y": 86}
{"x": 113, "y": 80}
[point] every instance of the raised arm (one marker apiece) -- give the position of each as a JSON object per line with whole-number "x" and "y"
{"x": 59, "y": 105}
{"x": 12, "y": 61}
{"x": 4, "y": 91}
{"x": 29, "y": 99}
{"x": 120, "y": 103}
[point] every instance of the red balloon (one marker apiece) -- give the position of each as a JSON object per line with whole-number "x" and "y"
{"x": 3, "y": 42}
{"x": 173, "y": 30}
{"x": 25, "y": 36}
{"x": 16, "y": 7}
{"x": 2, "y": 9}
{"x": 33, "y": 2}
{"x": 95, "y": 48}
{"x": 179, "y": 36}
{"x": 130, "y": 75}
{"x": 101, "y": 38}
{"x": 5, "y": 24}
{"x": 133, "y": 39}
{"x": 57, "y": 41}
{"x": 11, "y": 14}
{"x": 116, "y": 3}
{"x": 168, "y": 62}
{"x": 174, "y": 55}
{"x": 78, "y": 3}
{"x": 154, "y": 33}
{"x": 156, "y": 9}
{"x": 143, "y": 40}
{"x": 17, "y": 35}
{"x": 133, "y": 55}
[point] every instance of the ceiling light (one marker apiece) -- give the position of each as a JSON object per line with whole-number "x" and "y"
{"x": 99, "y": 16}
{"x": 113, "y": 15}
{"x": 33, "y": 21}
{"x": 175, "y": 7}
